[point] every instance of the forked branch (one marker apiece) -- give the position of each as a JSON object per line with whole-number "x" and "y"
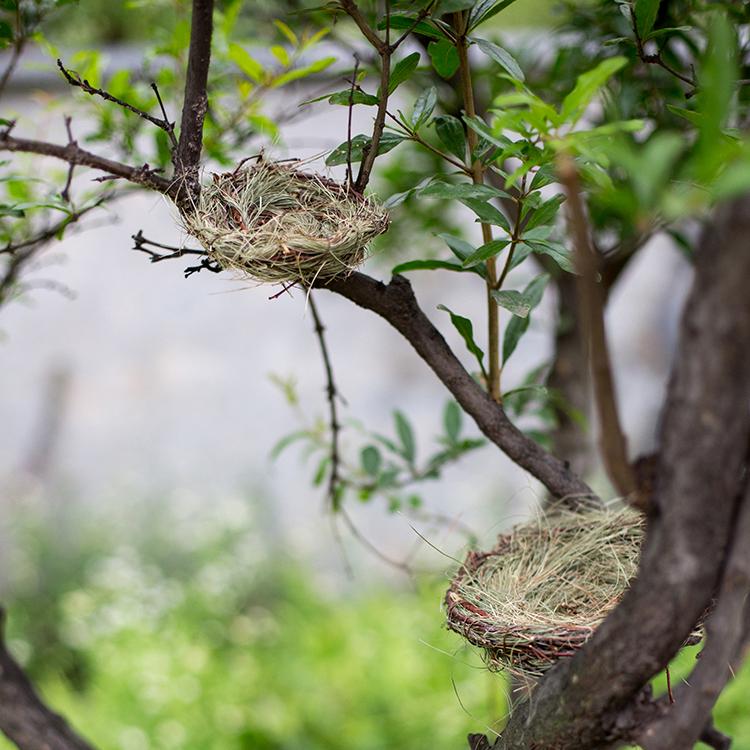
{"x": 396, "y": 303}
{"x": 73, "y": 154}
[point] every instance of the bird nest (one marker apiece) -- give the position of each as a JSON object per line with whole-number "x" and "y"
{"x": 542, "y": 591}
{"x": 277, "y": 224}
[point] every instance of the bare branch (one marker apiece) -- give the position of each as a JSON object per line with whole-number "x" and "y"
{"x": 75, "y": 155}
{"x": 591, "y": 298}
{"x": 152, "y": 249}
{"x": 22, "y": 252}
{"x": 15, "y": 56}
{"x": 24, "y": 718}
{"x": 352, "y": 10}
{"x": 396, "y": 303}
{"x": 195, "y": 102}
{"x": 334, "y": 480}
{"x": 75, "y": 80}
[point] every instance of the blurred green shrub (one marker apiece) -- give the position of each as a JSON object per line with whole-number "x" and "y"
{"x": 184, "y": 628}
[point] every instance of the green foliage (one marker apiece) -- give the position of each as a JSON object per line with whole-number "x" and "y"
{"x": 198, "y": 633}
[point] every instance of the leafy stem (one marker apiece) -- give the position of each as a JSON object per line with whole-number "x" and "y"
{"x": 477, "y": 173}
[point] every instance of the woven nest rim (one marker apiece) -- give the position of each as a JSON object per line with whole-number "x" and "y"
{"x": 525, "y": 647}
{"x": 275, "y": 223}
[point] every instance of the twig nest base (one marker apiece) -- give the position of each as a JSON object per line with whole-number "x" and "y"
{"x": 277, "y": 224}
{"x": 542, "y": 591}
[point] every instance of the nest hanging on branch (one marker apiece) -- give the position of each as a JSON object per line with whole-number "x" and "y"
{"x": 277, "y": 224}
{"x": 542, "y": 591}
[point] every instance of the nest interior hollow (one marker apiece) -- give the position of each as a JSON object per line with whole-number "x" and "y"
{"x": 542, "y": 591}
{"x": 278, "y": 224}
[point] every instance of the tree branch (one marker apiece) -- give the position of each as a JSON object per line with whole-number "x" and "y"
{"x": 24, "y": 718}
{"x": 686, "y": 721}
{"x": 75, "y": 80}
{"x": 591, "y": 298}
{"x": 195, "y": 102}
{"x": 396, "y": 303}
{"x": 334, "y": 480}
{"x": 75, "y": 155}
{"x": 579, "y": 704}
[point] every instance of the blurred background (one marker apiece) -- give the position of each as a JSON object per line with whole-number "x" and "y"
{"x": 174, "y": 582}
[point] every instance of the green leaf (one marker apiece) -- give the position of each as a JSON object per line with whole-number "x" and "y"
{"x": 516, "y": 302}
{"x": 645, "y": 16}
{"x": 466, "y": 329}
{"x": 338, "y": 156}
{"x": 463, "y": 190}
{"x": 486, "y": 9}
{"x": 554, "y": 250}
{"x": 487, "y": 213}
{"x": 246, "y": 63}
{"x": 353, "y": 97}
{"x": 452, "y": 417}
{"x": 287, "y": 32}
{"x": 451, "y": 6}
{"x": 401, "y": 23}
{"x": 308, "y": 70}
{"x": 427, "y": 265}
{"x": 716, "y": 77}
{"x": 502, "y": 57}
{"x": 485, "y": 252}
{"x": 460, "y": 248}
{"x": 450, "y": 131}
{"x": 6, "y": 31}
{"x": 423, "y": 107}
{"x": 371, "y": 460}
{"x": 321, "y": 471}
{"x": 481, "y": 128}
{"x": 403, "y": 70}
{"x": 405, "y": 436}
{"x": 286, "y": 441}
{"x": 546, "y": 213}
{"x": 518, "y": 326}
{"x": 444, "y": 57}
{"x": 587, "y": 86}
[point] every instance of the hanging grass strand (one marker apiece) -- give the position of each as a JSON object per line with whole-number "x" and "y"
{"x": 277, "y": 224}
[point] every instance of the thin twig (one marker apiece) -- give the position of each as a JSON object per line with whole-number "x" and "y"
{"x": 65, "y": 194}
{"x": 591, "y": 313}
{"x": 73, "y": 154}
{"x": 352, "y": 10}
{"x": 656, "y": 58}
{"x": 334, "y": 479}
{"x": 12, "y": 63}
{"x": 170, "y": 125}
{"x": 396, "y": 303}
{"x": 75, "y": 80}
{"x": 349, "y": 176}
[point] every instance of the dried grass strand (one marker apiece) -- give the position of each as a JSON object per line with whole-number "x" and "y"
{"x": 542, "y": 591}
{"x": 277, "y": 224}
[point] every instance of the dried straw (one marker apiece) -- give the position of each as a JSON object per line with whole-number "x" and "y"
{"x": 277, "y": 224}
{"x": 542, "y": 591}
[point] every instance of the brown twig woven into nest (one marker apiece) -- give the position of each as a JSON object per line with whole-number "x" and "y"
{"x": 542, "y": 591}
{"x": 277, "y": 224}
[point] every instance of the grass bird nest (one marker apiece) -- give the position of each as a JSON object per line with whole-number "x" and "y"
{"x": 545, "y": 587}
{"x": 278, "y": 224}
